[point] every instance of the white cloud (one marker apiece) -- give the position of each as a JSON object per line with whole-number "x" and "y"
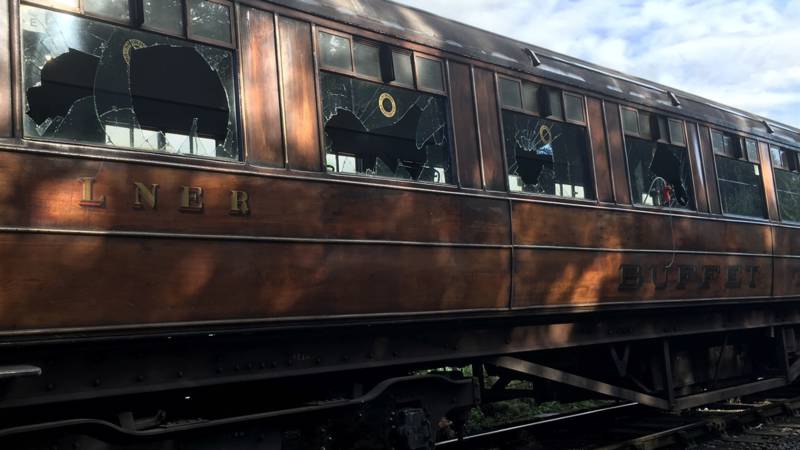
{"x": 740, "y": 53}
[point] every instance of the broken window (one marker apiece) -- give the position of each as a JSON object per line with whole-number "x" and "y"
{"x": 93, "y": 82}
{"x": 547, "y": 157}
{"x": 660, "y": 174}
{"x": 787, "y": 182}
{"x": 379, "y": 129}
{"x": 658, "y": 161}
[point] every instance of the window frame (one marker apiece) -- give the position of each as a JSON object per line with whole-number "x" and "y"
{"x": 375, "y": 43}
{"x": 186, "y": 31}
{"x": 187, "y": 23}
{"x": 537, "y": 114}
{"x": 417, "y": 55}
{"x": 582, "y": 98}
{"x": 715, "y": 155}
{"x": 80, "y": 147}
{"x": 662, "y": 139}
{"x": 320, "y": 68}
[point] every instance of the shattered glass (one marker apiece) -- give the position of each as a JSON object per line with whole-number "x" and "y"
{"x": 210, "y": 20}
{"x": 660, "y": 174}
{"x": 88, "y": 81}
{"x": 547, "y": 157}
{"x": 374, "y": 129}
{"x": 788, "y": 187}
{"x": 741, "y": 187}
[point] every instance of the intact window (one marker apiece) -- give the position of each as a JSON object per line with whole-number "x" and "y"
{"x": 92, "y": 82}
{"x": 658, "y": 164}
{"x": 787, "y": 182}
{"x": 387, "y": 129}
{"x": 739, "y": 174}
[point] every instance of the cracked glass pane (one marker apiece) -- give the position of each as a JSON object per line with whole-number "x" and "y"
{"x": 112, "y": 9}
{"x": 741, "y": 187}
{"x": 210, "y": 20}
{"x": 660, "y": 174}
{"x": 788, "y": 186}
{"x": 85, "y": 80}
{"x": 547, "y": 157}
{"x": 164, "y": 15}
{"x": 374, "y": 129}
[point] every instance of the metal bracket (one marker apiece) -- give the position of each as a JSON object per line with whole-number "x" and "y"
{"x": 20, "y": 371}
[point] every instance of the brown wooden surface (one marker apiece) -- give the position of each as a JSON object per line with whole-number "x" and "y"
{"x": 47, "y": 193}
{"x": 616, "y": 144}
{"x": 579, "y": 278}
{"x": 602, "y": 166}
{"x": 555, "y": 225}
{"x": 698, "y": 173}
{"x": 300, "y": 96}
{"x": 787, "y": 274}
{"x": 709, "y": 168}
{"x": 6, "y": 105}
{"x": 66, "y": 281}
{"x": 768, "y": 178}
{"x": 463, "y": 106}
{"x": 489, "y": 124}
{"x": 260, "y": 99}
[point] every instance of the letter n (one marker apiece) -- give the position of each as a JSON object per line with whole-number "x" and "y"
{"x": 144, "y": 196}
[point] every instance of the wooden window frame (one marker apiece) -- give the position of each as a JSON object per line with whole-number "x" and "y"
{"x": 193, "y": 37}
{"x": 638, "y": 134}
{"x": 185, "y": 13}
{"x": 353, "y": 39}
{"x": 682, "y": 124}
{"x": 417, "y": 55}
{"x": 564, "y": 95}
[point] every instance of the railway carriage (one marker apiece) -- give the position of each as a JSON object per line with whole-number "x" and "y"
{"x": 266, "y": 224}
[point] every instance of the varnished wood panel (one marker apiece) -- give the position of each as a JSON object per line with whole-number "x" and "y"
{"x": 463, "y": 106}
{"x": 698, "y": 175}
{"x": 6, "y": 105}
{"x": 300, "y": 96}
{"x": 787, "y": 277}
{"x": 768, "y": 178}
{"x": 489, "y": 124}
{"x": 555, "y": 225}
{"x": 46, "y": 192}
{"x": 616, "y": 144}
{"x": 710, "y": 172}
{"x": 602, "y": 167}
{"x": 260, "y": 98}
{"x": 579, "y": 278}
{"x": 787, "y": 241}
{"x": 49, "y": 281}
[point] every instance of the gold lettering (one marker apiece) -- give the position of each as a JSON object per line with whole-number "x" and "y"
{"x": 191, "y": 199}
{"x": 87, "y": 197}
{"x": 150, "y": 197}
{"x": 240, "y": 203}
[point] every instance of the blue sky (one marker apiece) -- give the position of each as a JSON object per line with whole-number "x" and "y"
{"x": 744, "y": 54}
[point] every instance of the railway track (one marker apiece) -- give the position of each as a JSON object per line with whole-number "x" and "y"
{"x": 767, "y": 421}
